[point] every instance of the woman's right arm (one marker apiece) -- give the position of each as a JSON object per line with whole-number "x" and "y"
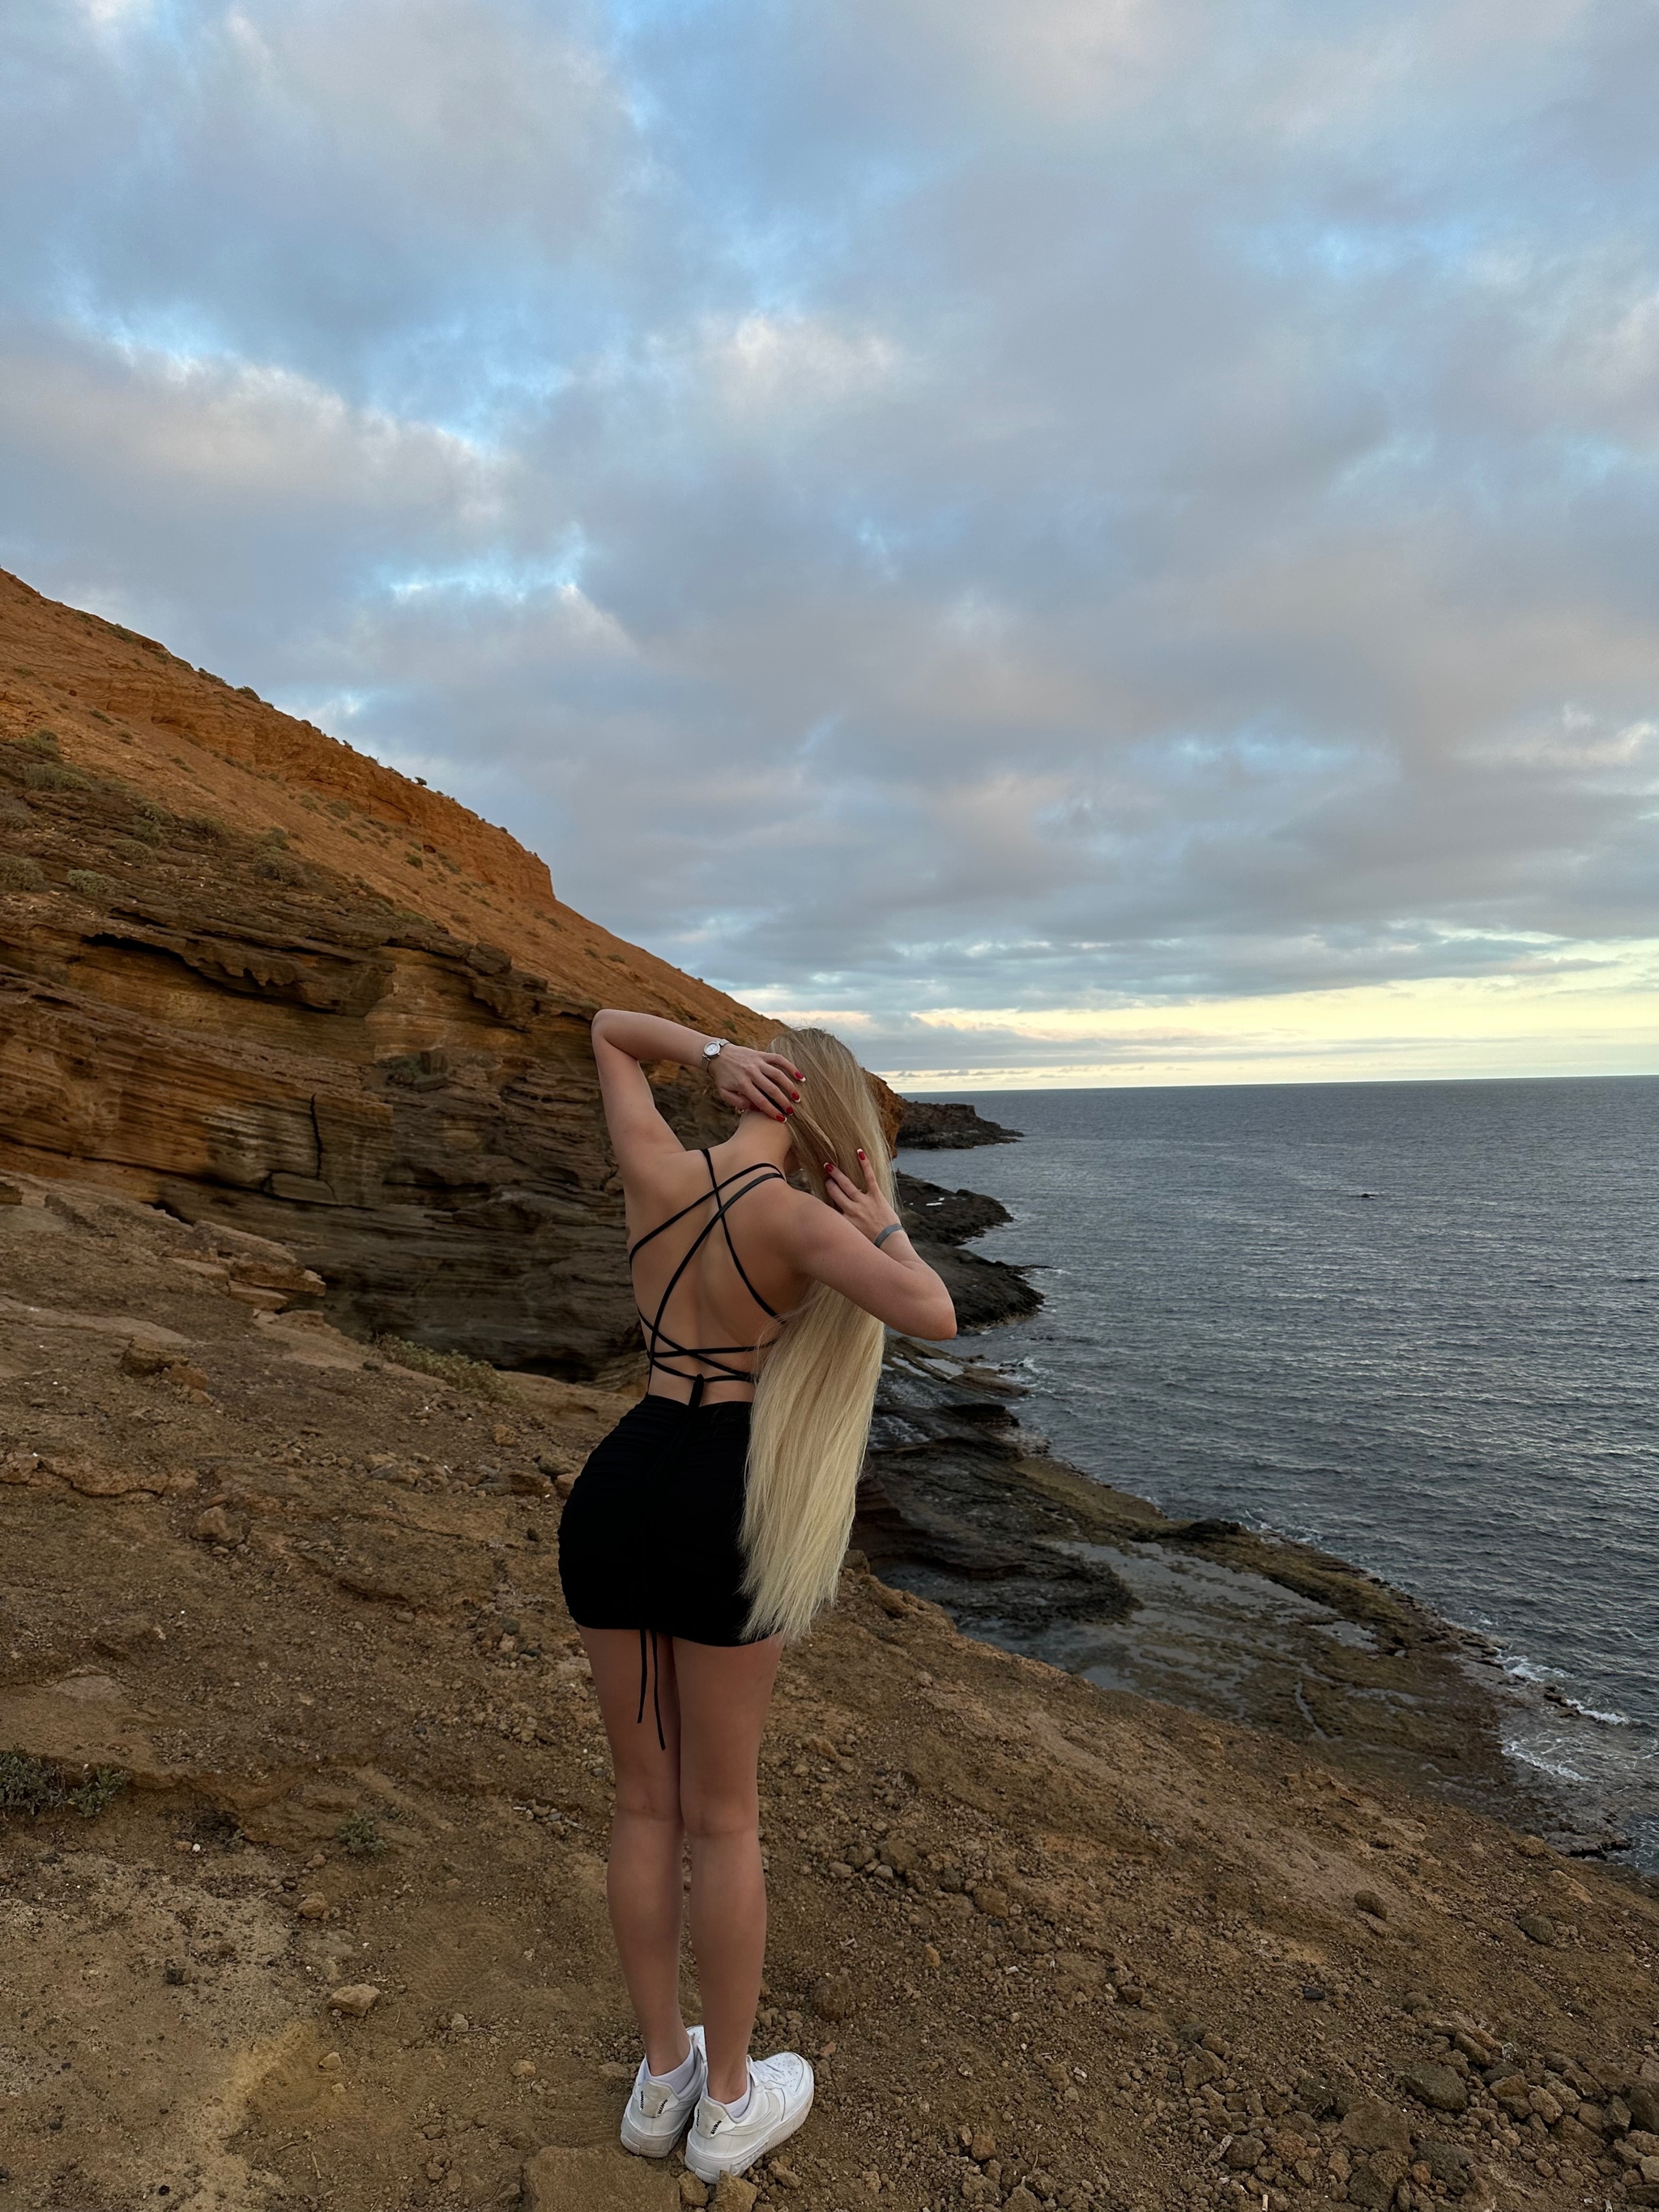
{"x": 747, "y": 1081}
{"x": 895, "y": 1283}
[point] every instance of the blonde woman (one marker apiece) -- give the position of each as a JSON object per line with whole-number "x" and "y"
{"x": 710, "y": 1525}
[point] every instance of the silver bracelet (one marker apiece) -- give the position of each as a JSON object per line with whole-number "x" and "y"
{"x": 892, "y": 1229}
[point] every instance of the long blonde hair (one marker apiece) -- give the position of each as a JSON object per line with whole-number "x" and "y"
{"x": 818, "y": 1381}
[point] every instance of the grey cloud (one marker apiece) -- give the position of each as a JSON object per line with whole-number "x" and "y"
{"x": 966, "y": 507}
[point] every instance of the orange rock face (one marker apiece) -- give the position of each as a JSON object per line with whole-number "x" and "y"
{"x": 249, "y": 973}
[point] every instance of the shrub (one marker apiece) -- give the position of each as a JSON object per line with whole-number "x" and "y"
{"x": 361, "y": 1836}
{"x": 247, "y": 691}
{"x": 20, "y": 874}
{"x": 32, "y": 1786}
{"x": 273, "y": 841}
{"x": 44, "y": 742}
{"x": 52, "y": 776}
{"x": 145, "y": 827}
{"x": 452, "y": 1367}
{"x": 88, "y": 883}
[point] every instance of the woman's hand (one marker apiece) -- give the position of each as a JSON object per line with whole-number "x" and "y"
{"x": 857, "y": 1202}
{"x": 753, "y": 1082}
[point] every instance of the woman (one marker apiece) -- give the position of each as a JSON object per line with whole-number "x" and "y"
{"x": 710, "y": 1523}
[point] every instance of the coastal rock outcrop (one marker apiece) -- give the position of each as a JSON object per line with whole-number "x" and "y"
{"x": 951, "y": 1127}
{"x": 260, "y": 978}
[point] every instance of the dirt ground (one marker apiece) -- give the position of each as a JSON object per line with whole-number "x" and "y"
{"x": 1048, "y": 1946}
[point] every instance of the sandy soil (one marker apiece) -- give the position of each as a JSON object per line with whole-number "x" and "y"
{"x": 1050, "y": 1946}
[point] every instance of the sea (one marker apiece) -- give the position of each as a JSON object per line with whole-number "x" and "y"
{"x": 1414, "y": 1323}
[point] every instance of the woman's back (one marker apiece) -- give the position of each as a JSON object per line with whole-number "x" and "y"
{"x": 711, "y": 1287}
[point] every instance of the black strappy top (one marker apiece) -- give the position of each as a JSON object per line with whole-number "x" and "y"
{"x": 660, "y": 1349}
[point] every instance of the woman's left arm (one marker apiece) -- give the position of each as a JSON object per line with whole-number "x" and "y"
{"x": 748, "y": 1081}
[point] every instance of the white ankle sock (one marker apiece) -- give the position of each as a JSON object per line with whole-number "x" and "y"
{"x": 739, "y": 2105}
{"x": 681, "y": 2079}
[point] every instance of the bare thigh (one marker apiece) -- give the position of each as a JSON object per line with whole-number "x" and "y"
{"x": 647, "y": 1772}
{"x": 713, "y": 1699}
{"x": 724, "y": 1693}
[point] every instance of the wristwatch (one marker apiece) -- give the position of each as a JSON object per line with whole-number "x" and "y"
{"x": 715, "y": 1048}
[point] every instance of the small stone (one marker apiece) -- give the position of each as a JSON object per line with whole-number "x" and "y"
{"x": 982, "y": 2146}
{"x": 217, "y": 1525}
{"x": 860, "y": 1855}
{"x": 355, "y": 2000}
{"x": 145, "y": 1359}
{"x": 1367, "y": 1901}
{"x": 1533, "y": 1847}
{"x": 184, "y": 1376}
{"x": 1536, "y": 1927}
{"x": 693, "y": 2192}
{"x": 1439, "y": 2087}
{"x": 785, "y": 2176}
{"x": 1642, "y": 2100}
{"x": 1246, "y": 2151}
{"x": 1511, "y": 2091}
{"x": 990, "y": 1900}
{"x": 314, "y": 1907}
{"x": 734, "y": 2194}
{"x": 1021, "y": 2200}
{"x": 1448, "y": 2163}
{"x": 832, "y": 1997}
{"x": 457, "y": 2023}
{"x": 1369, "y": 2125}
{"x": 330, "y": 2063}
{"x": 838, "y": 1870}
{"x": 930, "y": 1954}
{"x": 524, "y": 2069}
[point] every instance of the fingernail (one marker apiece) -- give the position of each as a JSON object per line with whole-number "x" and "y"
{"x": 828, "y": 1165}
{"x": 860, "y": 1151}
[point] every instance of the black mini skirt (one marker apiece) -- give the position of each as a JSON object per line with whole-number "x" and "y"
{"x": 651, "y": 1536}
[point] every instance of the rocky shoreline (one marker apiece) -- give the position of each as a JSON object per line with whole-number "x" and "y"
{"x": 303, "y": 1796}
{"x": 964, "y": 1505}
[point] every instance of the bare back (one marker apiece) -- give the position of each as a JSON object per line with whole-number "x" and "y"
{"x": 710, "y": 1289}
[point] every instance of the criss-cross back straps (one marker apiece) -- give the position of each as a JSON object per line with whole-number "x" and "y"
{"x": 657, "y": 1340}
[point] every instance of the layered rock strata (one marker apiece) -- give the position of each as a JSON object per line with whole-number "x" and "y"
{"x": 263, "y": 980}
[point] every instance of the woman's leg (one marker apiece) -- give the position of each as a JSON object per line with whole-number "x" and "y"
{"x": 644, "y": 1882}
{"x": 723, "y": 1696}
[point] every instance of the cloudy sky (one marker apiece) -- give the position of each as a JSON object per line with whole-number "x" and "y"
{"x": 1080, "y": 540}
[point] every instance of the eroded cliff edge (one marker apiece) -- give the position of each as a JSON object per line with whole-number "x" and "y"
{"x": 253, "y": 975}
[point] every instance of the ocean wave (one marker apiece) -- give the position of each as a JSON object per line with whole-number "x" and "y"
{"x": 1522, "y": 1670}
{"x": 1536, "y": 1759}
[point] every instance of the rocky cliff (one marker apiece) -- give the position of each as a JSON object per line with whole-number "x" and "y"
{"x": 251, "y": 974}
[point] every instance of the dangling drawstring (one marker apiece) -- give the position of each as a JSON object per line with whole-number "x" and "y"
{"x": 656, "y": 1684}
{"x": 651, "y": 1671}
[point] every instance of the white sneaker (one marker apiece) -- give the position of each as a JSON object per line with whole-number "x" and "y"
{"x": 655, "y": 2118}
{"x": 781, "y": 2097}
